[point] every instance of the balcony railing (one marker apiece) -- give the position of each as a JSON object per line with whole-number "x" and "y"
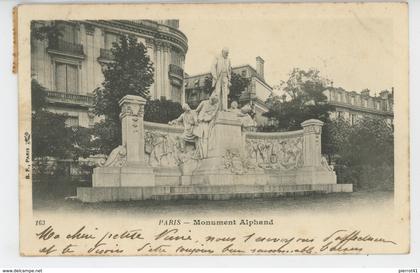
{"x": 69, "y": 98}
{"x": 360, "y": 107}
{"x": 176, "y": 71}
{"x": 66, "y": 47}
{"x": 106, "y": 54}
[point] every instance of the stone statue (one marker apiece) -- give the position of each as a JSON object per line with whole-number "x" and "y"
{"x": 188, "y": 119}
{"x": 206, "y": 114}
{"x": 247, "y": 123}
{"x": 325, "y": 164}
{"x": 221, "y": 72}
{"x": 234, "y": 109}
{"x": 116, "y": 158}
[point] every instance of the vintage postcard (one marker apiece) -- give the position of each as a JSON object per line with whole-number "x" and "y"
{"x": 213, "y": 129}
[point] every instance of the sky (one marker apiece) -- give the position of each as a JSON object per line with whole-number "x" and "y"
{"x": 354, "y": 53}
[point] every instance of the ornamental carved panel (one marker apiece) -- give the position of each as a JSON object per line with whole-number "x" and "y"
{"x": 276, "y": 153}
{"x": 167, "y": 149}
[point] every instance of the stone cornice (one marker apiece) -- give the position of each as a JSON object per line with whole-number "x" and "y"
{"x": 150, "y": 30}
{"x": 275, "y": 135}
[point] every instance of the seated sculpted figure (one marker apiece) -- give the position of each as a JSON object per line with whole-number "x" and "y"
{"x": 206, "y": 114}
{"x": 246, "y": 121}
{"x": 188, "y": 119}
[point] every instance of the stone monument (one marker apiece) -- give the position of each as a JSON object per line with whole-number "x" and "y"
{"x": 163, "y": 162}
{"x": 216, "y": 154}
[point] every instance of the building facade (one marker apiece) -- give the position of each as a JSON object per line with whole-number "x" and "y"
{"x": 71, "y": 67}
{"x": 352, "y": 106}
{"x": 256, "y": 93}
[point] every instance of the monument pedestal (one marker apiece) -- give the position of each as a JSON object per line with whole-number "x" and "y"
{"x": 128, "y": 167}
{"x": 224, "y": 164}
{"x": 312, "y": 171}
{"x": 127, "y": 176}
{"x": 315, "y": 175}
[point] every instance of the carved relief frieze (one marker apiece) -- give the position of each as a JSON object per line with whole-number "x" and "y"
{"x": 276, "y": 153}
{"x": 165, "y": 149}
{"x": 237, "y": 163}
{"x": 133, "y": 110}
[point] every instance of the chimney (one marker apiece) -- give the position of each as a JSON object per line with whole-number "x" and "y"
{"x": 365, "y": 93}
{"x": 384, "y": 94}
{"x": 260, "y": 67}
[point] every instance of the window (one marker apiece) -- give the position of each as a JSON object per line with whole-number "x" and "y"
{"x": 66, "y": 78}
{"x": 352, "y": 119}
{"x": 91, "y": 121}
{"x": 68, "y": 32}
{"x": 176, "y": 58}
{"x": 384, "y": 105}
{"x": 110, "y": 38}
{"x": 72, "y": 122}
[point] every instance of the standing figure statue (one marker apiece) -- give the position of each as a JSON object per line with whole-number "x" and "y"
{"x": 206, "y": 114}
{"x": 221, "y": 72}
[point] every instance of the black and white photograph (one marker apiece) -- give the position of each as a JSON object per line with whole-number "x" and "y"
{"x": 214, "y": 129}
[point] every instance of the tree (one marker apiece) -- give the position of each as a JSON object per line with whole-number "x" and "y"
{"x": 335, "y": 135}
{"x": 162, "y": 111}
{"x": 130, "y": 73}
{"x": 306, "y": 101}
{"x": 299, "y": 80}
{"x": 365, "y": 154}
{"x": 38, "y": 96}
{"x": 45, "y": 31}
{"x": 50, "y": 136}
{"x": 238, "y": 85}
{"x": 207, "y": 87}
{"x": 370, "y": 142}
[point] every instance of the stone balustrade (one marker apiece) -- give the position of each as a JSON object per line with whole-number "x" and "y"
{"x": 70, "y": 98}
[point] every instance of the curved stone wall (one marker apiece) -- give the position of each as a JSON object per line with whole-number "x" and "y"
{"x": 164, "y": 147}
{"x": 277, "y": 151}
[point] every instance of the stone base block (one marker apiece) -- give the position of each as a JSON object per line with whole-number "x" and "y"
{"x": 315, "y": 175}
{"x": 209, "y": 192}
{"x": 137, "y": 177}
{"x": 186, "y": 180}
{"x": 106, "y": 177}
{"x": 167, "y": 176}
{"x": 227, "y": 178}
{"x": 128, "y": 176}
{"x": 211, "y": 171}
{"x": 282, "y": 177}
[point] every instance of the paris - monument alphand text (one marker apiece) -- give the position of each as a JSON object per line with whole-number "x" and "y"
{"x": 211, "y": 152}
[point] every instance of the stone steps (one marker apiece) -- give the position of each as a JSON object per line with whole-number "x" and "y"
{"x": 227, "y": 196}
{"x": 204, "y": 192}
